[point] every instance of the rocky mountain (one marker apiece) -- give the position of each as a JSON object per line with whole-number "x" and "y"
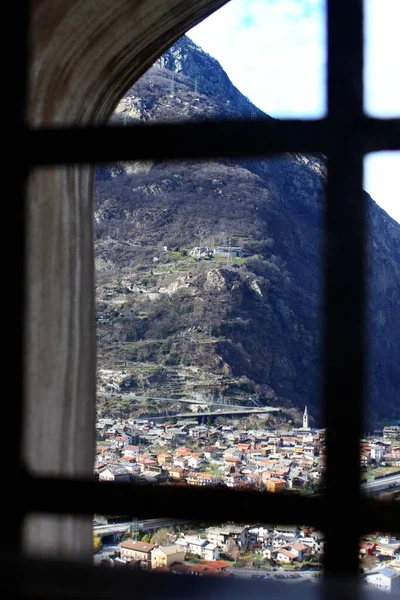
{"x": 209, "y": 273}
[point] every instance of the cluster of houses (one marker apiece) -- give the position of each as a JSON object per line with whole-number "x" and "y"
{"x": 142, "y": 451}
{"x": 384, "y": 550}
{"x": 200, "y": 454}
{"x": 382, "y": 447}
{"x": 206, "y": 454}
{"x": 280, "y": 544}
{"x": 169, "y": 559}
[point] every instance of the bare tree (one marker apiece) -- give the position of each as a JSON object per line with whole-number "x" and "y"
{"x": 232, "y": 550}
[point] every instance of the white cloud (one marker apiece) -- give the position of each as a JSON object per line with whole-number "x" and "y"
{"x": 382, "y": 97}
{"x": 274, "y": 52}
{"x": 382, "y": 58}
{"x": 382, "y": 180}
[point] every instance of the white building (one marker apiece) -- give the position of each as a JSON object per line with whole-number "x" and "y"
{"x": 211, "y": 552}
{"x": 200, "y": 547}
{"x": 114, "y": 473}
{"x": 194, "y": 462}
{"x": 220, "y": 536}
{"x": 284, "y": 556}
{"x": 305, "y": 420}
{"x": 228, "y": 251}
{"x": 386, "y": 580}
{"x": 376, "y": 452}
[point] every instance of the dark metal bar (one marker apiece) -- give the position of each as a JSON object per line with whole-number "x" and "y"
{"x": 345, "y": 60}
{"x": 205, "y": 140}
{"x": 344, "y": 293}
{"x": 49, "y": 495}
{"x": 379, "y": 134}
{"x": 55, "y": 495}
{"x": 18, "y": 170}
{"x": 176, "y": 141}
{"x": 378, "y": 515}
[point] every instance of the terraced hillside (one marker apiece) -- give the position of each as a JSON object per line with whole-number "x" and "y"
{"x": 209, "y": 273}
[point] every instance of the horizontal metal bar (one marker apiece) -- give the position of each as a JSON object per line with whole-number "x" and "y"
{"x": 70, "y": 496}
{"x": 206, "y": 140}
{"x": 175, "y": 141}
{"x": 376, "y": 135}
{"x": 378, "y": 515}
{"x": 48, "y": 495}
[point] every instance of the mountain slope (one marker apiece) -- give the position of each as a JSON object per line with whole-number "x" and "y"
{"x": 224, "y": 327}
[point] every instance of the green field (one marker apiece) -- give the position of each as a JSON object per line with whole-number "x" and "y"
{"x": 381, "y": 471}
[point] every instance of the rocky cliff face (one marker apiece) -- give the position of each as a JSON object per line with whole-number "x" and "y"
{"x": 174, "y": 321}
{"x": 383, "y": 378}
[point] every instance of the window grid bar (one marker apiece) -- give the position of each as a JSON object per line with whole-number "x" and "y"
{"x": 346, "y": 134}
{"x": 343, "y": 328}
{"x": 205, "y": 504}
{"x": 229, "y": 139}
{"x": 69, "y": 496}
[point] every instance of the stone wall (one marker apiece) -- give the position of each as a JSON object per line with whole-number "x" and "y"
{"x": 84, "y": 55}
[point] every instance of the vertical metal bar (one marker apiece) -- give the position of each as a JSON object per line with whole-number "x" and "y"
{"x": 19, "y": 17}
{"x": 344, "y": 289}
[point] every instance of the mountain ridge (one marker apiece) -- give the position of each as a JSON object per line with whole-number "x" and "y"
{"x": 225, "y": 327}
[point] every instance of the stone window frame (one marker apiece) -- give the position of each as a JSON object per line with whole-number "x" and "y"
{"x": 75, "y": 80}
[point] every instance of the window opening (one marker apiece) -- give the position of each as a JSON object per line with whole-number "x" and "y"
{"x": 343, "y": 320}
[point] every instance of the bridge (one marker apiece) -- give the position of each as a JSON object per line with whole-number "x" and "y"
{"x": 117, "y": 530}
{"x": 240, "y": 411}
{"x": 133, "y": 396}
{"x": 382, "y": 484}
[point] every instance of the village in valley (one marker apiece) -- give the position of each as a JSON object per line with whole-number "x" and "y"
{"x": 244, "y": 453}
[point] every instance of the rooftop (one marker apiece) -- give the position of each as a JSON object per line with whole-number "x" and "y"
{"x": 168, "y": 550}
{"x": 389, "y": 572}
{"x": 138, "y": 546}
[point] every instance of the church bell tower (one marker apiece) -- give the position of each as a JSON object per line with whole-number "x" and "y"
{"x": 305, "y": 419}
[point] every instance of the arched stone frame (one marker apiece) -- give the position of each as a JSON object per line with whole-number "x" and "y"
{"x": 85, "y": 54}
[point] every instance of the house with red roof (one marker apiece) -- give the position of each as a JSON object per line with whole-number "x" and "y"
{"x": 121, "y": 441}
{"x": 217, "y": 565}
{"x": 201, "y": 570}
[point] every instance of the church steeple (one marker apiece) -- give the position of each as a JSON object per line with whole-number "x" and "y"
{"x": 305, "y": 418}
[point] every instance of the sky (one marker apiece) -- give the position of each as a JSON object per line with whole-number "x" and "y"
{"x": 274, "y": 53}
